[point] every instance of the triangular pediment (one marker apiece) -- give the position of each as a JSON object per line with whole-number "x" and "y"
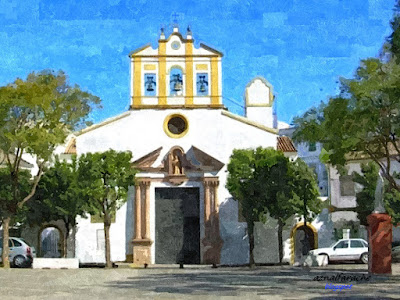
{"x": 147, "y": 161}
{"x": 194, "y": 160}
{"x": 203, "y": 160}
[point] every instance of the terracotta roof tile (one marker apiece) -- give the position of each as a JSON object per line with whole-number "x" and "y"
{"x": 285, "y": 144}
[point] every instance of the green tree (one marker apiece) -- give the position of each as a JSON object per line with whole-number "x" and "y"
{"x": 58, "y": 197}
{"x": 105, "y": 178}
{"x": 244, "y": 186}
{"x": 363, "y": 121}
{"x": 7, "y": 197}
{"x": 393, "y": 41}
{"x": 36, "y": 115}
{"x": 264, "y": 180}
{"x": 366, "y": 197}
{"x": 291, "y": 189}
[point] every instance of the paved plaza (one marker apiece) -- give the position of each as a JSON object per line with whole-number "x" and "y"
{"x": 195, "y": 282}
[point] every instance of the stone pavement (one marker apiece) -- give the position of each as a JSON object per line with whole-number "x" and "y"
{"x": 195, "y": 282}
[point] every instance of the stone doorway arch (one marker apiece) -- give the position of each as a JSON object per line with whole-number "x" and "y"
{"x": 50, "y": 242}
{"x": 302, "y": 239}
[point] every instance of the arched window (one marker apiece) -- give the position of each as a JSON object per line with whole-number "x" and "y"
{"x": 202, "y": 84}
{"x": 175, "y": 82}
{"x": 150, "y": 84}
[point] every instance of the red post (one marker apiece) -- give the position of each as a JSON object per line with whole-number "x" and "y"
{"x": 380, "y": 243}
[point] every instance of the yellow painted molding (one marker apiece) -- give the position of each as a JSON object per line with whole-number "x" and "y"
{"x": 174, "y": 106}
{"x": 202, "y": 67}
{"x": 149, "y": 67}
{"x": 189, "y": 74}
{"x": 135, "y": 52}
{"x": 248, "y": 122}
{"x": 258, "y": 105}
{"x": 169, "y": 133}
{"x": 162, "y": 71}
{"x": 137, "y": 92}
{"x": 177, "y": 56}
{"x": 105, "y": 122}
{"x": 214, "y": 81}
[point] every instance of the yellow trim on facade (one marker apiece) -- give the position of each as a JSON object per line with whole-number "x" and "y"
{"x": 258, "y": 105}
{"x": 292, "y": 235}
{"x": 189, "y": 73}
{"x": 178, "y": 56}
{"x": 214, "y": 81}
{"x": 137, "y": 64}
{"x": 149, "y": 67}
{"x": 249, "y": 122}
{"x": 162, "y": 71}
{"x": 169, "y": 133}
{"x": 181, "y": 106}
{"x": 202, "y": 67}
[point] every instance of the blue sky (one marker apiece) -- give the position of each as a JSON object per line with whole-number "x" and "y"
{"x": 301, "y": 47}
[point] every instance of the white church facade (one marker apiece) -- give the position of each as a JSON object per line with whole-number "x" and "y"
{"x": 181, "y": 137}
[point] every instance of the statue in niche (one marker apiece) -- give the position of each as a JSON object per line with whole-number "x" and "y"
{"x": 176, "y": 164}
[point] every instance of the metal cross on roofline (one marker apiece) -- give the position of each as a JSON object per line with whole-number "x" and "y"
{"x": 175, "y": 16}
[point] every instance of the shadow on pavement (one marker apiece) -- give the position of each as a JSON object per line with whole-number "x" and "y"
{"x": 231, "y": 282}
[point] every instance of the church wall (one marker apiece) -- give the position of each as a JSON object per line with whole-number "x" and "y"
{"x": 262, "y": 115}
{"x": 89, "y": 241}
{"x": 141, "y": 133}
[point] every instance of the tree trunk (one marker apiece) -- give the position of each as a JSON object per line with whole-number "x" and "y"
{"x": 66, "y": 240}
{"x": 74, "y": 241}
{"x": 107, "y": 238}
{"x": 280, "y": 242}
{"x": 250, "y": 230}
{"x": 6, "y": 236}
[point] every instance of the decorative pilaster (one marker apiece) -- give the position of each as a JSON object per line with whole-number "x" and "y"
{"x": 137, "y": 212}
{"x": 142, "y": 242}
{"x": 212, "y": 241}
{"x": 147, "y": 211}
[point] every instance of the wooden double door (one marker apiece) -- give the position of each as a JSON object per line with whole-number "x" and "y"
{"x": 177, "y": 215}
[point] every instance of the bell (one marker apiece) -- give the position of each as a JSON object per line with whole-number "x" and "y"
{"x": 177, "y": 86}
{"x": 149, "y": 84}
{"x": 203, "y": 84}
{"x": 178, "y": 83}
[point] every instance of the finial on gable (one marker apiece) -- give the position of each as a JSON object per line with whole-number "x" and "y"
{"x": 162, "y": 35}
{"x": 188, "y": 33}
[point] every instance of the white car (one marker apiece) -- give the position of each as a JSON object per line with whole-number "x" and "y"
{"x": 21, "y": 254}
{"x": 347, "y": 249}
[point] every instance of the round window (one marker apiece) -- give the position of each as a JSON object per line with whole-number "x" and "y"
{"x": 175, "y": 45}
{"x": 175, "y": 126}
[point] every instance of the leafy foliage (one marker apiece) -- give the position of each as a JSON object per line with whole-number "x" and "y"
{"x": 36, "y": 115}
{"x": 365, "y": 198}
{"x": 104, "y": 179}
{"x": 364, "y": 120}
{"x": 58, "y": 197}
{"x": 7, "y": 202}
{"x": 264, "y": 180}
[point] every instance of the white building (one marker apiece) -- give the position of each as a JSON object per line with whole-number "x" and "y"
{"x": 309, "y": 152}
{"x": 181, "y": 137}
